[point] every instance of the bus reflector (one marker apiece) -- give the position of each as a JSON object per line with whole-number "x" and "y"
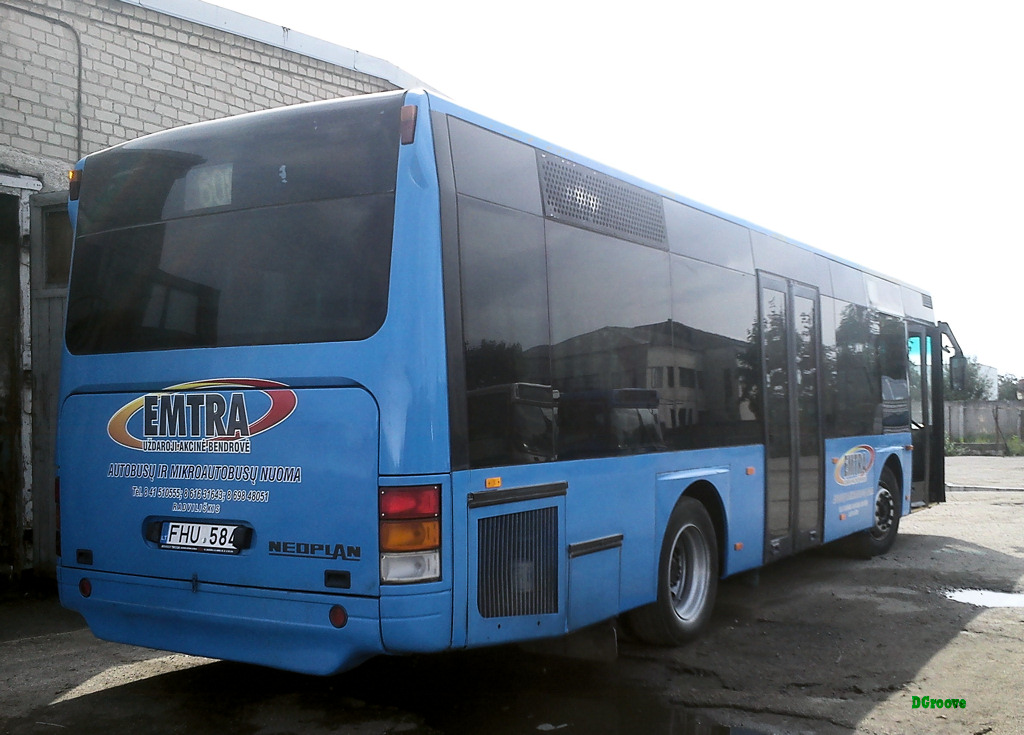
{"x": 410, "y": 534}
{"x": 85, "y": 587}
{"x": 408, "y": 126}
{"x": 338, "y": 616}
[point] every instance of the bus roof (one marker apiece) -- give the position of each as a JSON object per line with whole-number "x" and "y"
{"x": 444, "y": 104}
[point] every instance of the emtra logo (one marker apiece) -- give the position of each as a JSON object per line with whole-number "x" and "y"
{"x": 191, "y": 417}
{"x": 854, "y": 466}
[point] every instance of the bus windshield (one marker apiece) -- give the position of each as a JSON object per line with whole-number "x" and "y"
{"x": 267, "y": 229}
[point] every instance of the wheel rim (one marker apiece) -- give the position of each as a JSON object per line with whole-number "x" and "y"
{"x": 885, "y": 512}
{"x": 689, "y": 573}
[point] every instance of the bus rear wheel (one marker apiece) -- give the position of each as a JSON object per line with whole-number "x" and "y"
{"x": 887, "y": 509}
{"x": 687, "y": 580}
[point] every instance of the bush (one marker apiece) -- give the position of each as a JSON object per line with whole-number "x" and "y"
{"x": 1015, "y": 447}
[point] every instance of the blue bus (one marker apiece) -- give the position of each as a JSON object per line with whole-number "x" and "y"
{"x": 379, "y": 375}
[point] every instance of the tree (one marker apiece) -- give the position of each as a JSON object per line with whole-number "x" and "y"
{"x": 1010, "y": 387}
{"x": 976, "y": 386}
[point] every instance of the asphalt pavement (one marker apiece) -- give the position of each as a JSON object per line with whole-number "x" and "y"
{"x": 984, "y": 473}
{"x": 805, "y": 646}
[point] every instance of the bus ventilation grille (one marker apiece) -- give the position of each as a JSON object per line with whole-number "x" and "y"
{"x": 518, "y": 564}
{"x": 578, "y": 195}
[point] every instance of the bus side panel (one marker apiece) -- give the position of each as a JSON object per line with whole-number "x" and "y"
{"x": 416, "y": 623}
{"x": 851, "y": 480}
{"x": 553, "y": 547}
{"x": 588, "y": 602}
{"x": 744, "y": 512}
{"x": 408, "y": 376}
{"x": 737, "y": 476}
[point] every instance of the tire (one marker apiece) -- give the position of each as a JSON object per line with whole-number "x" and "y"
{"x": 888, "y": 507}
{"x": 687, "y": 580}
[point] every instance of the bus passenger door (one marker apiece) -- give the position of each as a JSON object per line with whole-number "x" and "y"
{"x": 919, "y": 354}
{"x": 790, "y": 349}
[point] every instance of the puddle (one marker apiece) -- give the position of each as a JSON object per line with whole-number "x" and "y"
{"x": 987, "y": 598}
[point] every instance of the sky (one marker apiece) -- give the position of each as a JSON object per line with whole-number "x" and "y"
{"x": 888, "y": 133}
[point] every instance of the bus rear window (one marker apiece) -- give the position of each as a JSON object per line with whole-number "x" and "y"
{"x": 269, "y": 228}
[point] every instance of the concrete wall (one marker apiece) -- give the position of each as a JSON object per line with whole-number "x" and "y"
{"x": 77, "y": 76}
{"x": 993, "y": 421}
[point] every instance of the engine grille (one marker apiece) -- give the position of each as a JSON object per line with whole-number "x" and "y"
{"x": 518, "y": 564}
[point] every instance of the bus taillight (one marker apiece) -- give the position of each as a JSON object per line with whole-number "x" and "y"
{"x": 410, "y": 534}
{"x": 399, "y": 503}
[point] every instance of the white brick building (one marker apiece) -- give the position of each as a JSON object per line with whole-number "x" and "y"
{"x": 77, "y": 76}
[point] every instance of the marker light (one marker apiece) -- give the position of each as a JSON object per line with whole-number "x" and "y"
{"x": 408, "y": 125}
{"x": 410, "y": 534}
{"x": 74, "y": 183}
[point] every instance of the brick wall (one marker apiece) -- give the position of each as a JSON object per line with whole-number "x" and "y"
{"x": 77, "y": 76}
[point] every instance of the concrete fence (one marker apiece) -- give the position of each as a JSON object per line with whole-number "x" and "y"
{"x": 985, "y": 422}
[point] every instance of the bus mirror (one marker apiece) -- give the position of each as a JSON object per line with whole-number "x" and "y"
{"x": 957, "y": 372}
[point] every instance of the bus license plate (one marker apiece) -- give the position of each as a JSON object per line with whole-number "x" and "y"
{"x": 215, "y": 538}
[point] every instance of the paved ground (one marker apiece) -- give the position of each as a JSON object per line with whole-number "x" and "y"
{"x": 814, "y": 644}
{"x": 985, "y": 472}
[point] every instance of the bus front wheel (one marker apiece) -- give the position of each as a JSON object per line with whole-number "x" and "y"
{"x": 888, "y": 506}
{"x": 687, "y": 580}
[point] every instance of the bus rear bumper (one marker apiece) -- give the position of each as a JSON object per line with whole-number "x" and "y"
{"x": 416, "y": 623}
{"x": 281, "y": 629}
